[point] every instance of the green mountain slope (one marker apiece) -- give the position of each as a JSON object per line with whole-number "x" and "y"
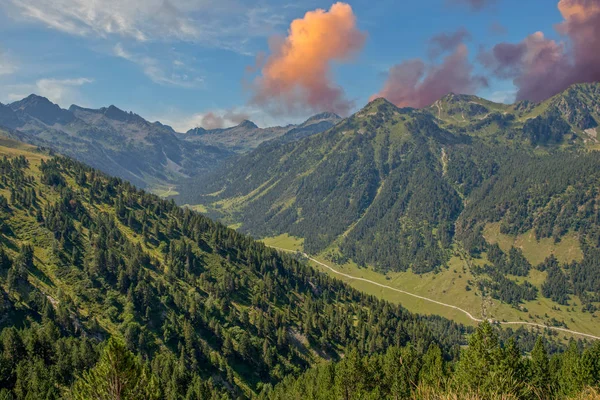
{"x": 404, "y": 189}
{"x": 208, "y": 311}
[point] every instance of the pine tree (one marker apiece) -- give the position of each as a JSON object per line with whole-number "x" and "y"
{"x": 478, "y": 363}
{"x": 539, "y": 367}
{"x": 118, "y": 375}
{"x": 432, "y": 373}
{"x": 571, "y": 375}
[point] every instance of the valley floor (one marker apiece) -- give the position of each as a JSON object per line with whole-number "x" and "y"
{"x": 444, "y": 294}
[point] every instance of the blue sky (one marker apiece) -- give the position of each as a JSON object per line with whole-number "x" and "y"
{"x": 176, "y": 60}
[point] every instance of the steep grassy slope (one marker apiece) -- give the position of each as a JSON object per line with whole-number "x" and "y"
{"x": 411, "y": 190}
{"x": 84, "y": 257}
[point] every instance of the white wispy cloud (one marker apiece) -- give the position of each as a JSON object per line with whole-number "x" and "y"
{"x": 172, "y": 73}
{"x": 63, "y": 92}
{"x": 182, "y": 122}
{"x": 504, "y": 96}
{"x": 219, "y": 23}
{"x": 7, "y": 65}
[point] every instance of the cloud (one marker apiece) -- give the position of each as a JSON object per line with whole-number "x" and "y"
{"x": 63, "y": 92}
{"x": 474, "y": 5}
{"x": 444, "y": 42}
{"x": 223, "y": 23}
{"x": 541, "y": 67}
{"x": 223, "y": 118}
{"x": 212, "y": 120}
{"x": 496, "y": 28}
{"x": 7, "y": 66}
{"x": 178, "y": 73}
{"x": 296, "y": 77}
{"x": 503, "y": 96}
{"x": 413, "y": 83}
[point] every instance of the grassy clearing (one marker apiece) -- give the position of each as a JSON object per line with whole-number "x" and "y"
{"x": 566, "y": 250}
{"x": 285, "y": 241}
{"x": 198, "y": 208}
{"x": 447, "y": 287}
{"x": 163, "y": 191}
{"x": 12, "y": 148}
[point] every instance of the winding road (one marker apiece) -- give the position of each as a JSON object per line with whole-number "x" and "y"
{"x": 468, "y": 314}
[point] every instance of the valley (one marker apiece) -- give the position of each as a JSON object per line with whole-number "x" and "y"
{"x": 444, "y": 294}
{"x": 85, "y": 257}
{"x": 88, "y": 259}
{"x": 265, "y": 200}
{"x": 416, "y": 203}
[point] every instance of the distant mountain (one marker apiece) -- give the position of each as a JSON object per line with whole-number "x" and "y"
{"x": 117, "y": 142}
{"x": 9, "y": 117}
{"x": 43, "y": 110}
{"x": 247, "y": 135}
{"x": 569, "y": 117}
{"x": 124, "y": 144}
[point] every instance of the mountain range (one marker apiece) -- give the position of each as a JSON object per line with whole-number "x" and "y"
{"x": 101, "y": 282}
{"x": 123, "y": 144}
{"x": 402, "y": 189}
{"x": 247, "y": 136}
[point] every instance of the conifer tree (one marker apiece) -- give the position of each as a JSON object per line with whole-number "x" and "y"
{"x": 118, "y": 375}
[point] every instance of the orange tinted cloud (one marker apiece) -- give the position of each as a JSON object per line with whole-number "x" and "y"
{"x": 416, "y": 84}
{"x": 297, "y": 74}
{"x": 214, "y": 121}
{"x": 577, "y": 8}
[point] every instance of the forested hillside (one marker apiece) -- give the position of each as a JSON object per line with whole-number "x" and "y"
{"x": 485, "y": 370}
{"x": 411, "y": 190}
{"x": 205, "y": 310}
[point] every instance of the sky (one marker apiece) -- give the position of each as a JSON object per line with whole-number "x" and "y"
{"x": 212, "y": 63}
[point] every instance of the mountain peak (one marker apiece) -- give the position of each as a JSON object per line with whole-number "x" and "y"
{"x": 42, "y": 109}
{"x": 30, "y": 100}
{"x": 324, "y": 115}
{"x": 248, "y": 124}
{"x": 377, "y": 105}
{"x": 117, "y": 114}
{"x": 197, "y": 131}
{"x": 578, "y": 105}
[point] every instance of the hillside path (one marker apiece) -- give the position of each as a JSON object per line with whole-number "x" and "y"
{"x": 468, "y": 314}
